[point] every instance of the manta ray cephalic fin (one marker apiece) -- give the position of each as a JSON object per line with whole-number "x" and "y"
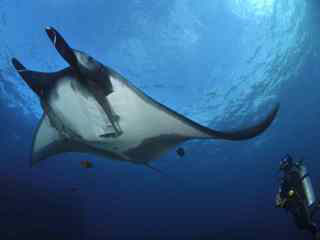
{"x": 37, "y": 81}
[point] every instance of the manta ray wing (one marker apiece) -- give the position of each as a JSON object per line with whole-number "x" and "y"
{"x": 200, "y": 131}
{"x": 151, "y": 128}
{"x": 47, "y": 142}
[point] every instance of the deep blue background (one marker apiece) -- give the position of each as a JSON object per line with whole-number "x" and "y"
{"x": 221, "y": 63}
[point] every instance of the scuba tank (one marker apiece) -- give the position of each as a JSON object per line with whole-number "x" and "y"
{"x": 298, "y": 178}
{"x": 306, "y": 184}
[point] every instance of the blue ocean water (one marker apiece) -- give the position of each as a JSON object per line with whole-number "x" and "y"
{"x": 221, "y": 63}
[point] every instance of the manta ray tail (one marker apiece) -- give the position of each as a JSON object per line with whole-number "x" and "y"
{"x": 156, "y": 170}
{"x": 182, "y": 182}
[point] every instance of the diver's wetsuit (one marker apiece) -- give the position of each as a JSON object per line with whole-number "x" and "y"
{"x": 292, "y": 197}
{"x": 297, "y": 207}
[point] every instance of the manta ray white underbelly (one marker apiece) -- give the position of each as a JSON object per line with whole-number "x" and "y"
{"x": 147, "y": 130}
{"x": 88, "y": 107}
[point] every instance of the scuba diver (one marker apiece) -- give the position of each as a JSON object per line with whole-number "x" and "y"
{"x": 296, "y": 195}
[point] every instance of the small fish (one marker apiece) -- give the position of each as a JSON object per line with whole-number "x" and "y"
{"x": 86, "y": 164}
{"x": 180, "y": 151}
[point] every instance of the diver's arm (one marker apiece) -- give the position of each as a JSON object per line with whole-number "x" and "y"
{"x": 281, "y": 202}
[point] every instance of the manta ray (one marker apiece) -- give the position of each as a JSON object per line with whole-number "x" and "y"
{"x": 90, "y": 108}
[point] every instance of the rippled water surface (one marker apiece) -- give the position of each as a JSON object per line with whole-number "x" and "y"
{"x": 221, "y": 63}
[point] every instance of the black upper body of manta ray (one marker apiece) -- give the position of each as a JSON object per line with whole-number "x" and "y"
{"x": 88, "y": 107}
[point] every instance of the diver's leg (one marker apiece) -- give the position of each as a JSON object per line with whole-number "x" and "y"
{"x": 313, "y": 228}
{"x": 315, "y": 209}
{"x": 317, "y": 235}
